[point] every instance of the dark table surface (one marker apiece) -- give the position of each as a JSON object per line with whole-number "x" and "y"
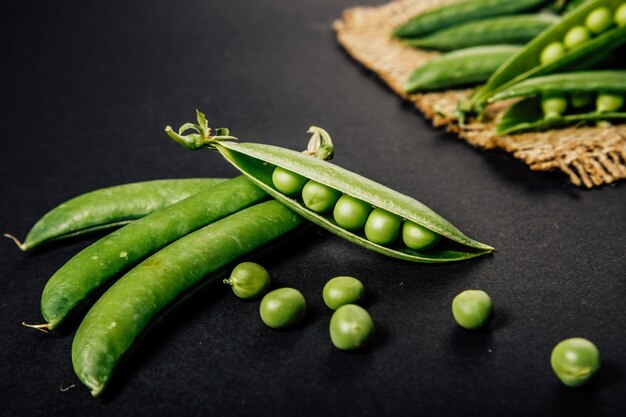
{"x": 87, "y": 88}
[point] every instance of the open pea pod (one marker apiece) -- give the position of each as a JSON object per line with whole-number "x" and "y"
{"x": 527, "y": 62}
{"x": 258, "y": 162}
{"x": 526, "y": 115}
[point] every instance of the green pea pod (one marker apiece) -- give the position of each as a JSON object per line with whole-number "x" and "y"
{"x": 566, "y": 83}
{"x": 110, "y": 207}
{"x": 462, "y": 11}
{"x": 526, "y": 115}
{"x": 513, "y": 30}
{"x": 526, "y": 63}
{"x": 258, "y": 162}
{"x": 89, "y": 270}
{"x": 127, "y": 309}
{"x": 459, "y": 68}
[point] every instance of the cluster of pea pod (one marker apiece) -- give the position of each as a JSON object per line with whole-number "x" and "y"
{"x": 556, "y": 72}
{"x": 180, "y": 234}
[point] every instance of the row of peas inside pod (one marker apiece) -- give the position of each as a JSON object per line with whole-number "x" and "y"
{"x": 598, "y": 21}
{"x": 351, "y": 327}
{"x": 379, "y": 225}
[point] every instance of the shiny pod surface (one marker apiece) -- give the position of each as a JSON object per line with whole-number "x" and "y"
{"x": 258, "y": 161}
{"x": 126, "y": 309}
{"x": 462, "y": 11}
{"x": 459, "y": 68}
{"x": 527, "y": 62}
{"x": 77, "y": 280}
{"x": 567, "y": 83}
{"x": 512, "y": 30}
{"x": 111, "y": 207}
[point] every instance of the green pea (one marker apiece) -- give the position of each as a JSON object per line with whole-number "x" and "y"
{"x": 599, "y": 20}
{"x": 319, "y": 197}
{"x": 620, "y": 15}
{"x": 283, "y": 308}
{"x": 580, "y": 100}
{"x": 351, "y": 327}
{"x": 249, "y": 280}
{"x": 342, "y": 290}
{"x": 553, "y": 52}
{"x": 576, "y": 36}
{"x": 575, "y": 361}
{"x": 351, "y": 213}
{"x": 553, "y": 105}
{"x": 287, "y": 182}
{"x": 417, "y": 237}
{"x": 472, "y": 309}
{"x": 608, "y": 102}
{"x": 382, "y": 227}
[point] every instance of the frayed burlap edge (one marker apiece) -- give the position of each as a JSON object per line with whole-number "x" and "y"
{"x": 590, "y": 156}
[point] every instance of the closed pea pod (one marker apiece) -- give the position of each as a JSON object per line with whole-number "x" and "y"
{"x": 459, "y": 68}
{"x": 528, "y": 62}
{"x": 462, "y": 11}
{"x": 76, "y": 281}
{"x": 126, "y": 309}
{"x": 258, "y": 161}
{"x": 111, "y": 207}
{"x": 512, "y": 30}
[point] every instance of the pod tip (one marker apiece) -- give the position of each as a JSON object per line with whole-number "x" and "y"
{"x": 16, "y": 241}
{"x": 45, "y": 327}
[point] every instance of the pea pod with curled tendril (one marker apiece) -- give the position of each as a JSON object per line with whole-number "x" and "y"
{"x": 259, "y": 161}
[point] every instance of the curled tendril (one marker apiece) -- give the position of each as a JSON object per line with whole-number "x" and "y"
{"x": 202, "y": 137}
{"x": 320, "y": 145}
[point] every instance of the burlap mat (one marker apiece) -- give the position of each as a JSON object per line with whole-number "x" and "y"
{"x": 590, "y": 156}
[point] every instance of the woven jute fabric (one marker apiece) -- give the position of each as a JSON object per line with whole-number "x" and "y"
{"x": 590, "y": 156}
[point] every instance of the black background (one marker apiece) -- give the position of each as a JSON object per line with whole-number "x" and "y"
{"x": 87, "y": 88}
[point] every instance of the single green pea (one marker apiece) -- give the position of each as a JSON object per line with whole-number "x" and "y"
{"x": 599, "y": 20}
{"x": 249, "y": 280}
{"x": 417, "y": 237}
{"x": 553, "y": 105}
{"x": 287, "y": 182}
{"x": 576, "y": 36}
{"x": 620, "y": 15}
{"x": 472, "y": 309}
{"x": 382, "y": 227}
{"x": 575, "y": 361}
{"x": 283, "y": 308}
{"x": 351, "y": 327}
{"x": 580, "y": 100}
{"x": 342, "y": 290}
{"x": 552, "y": 52}
{"x": 351, "y": 213}
{"x": 608, "y": 102}
{"x": 319, "y": 197}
